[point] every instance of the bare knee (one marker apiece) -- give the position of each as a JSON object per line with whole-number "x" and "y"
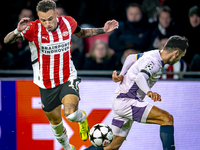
{"x": 54, "y": 119}
{"x": 69, "y": 109}
{"x": 70, "y": 103}
{"x": 167, "y": 119}
{"x": 54, "y": 116}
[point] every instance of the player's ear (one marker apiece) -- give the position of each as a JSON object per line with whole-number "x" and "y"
{"x": 176, "y": 53}
{"x": 56, "y": 13}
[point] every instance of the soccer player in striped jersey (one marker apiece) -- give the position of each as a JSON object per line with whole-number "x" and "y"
{"x": 53, "y": 70}
{"x": 138, "y": 75}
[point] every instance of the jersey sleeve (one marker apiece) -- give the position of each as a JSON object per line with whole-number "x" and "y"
{"x": 149, "y": 67}
{"x": 28, "y": 33}
{"x": 72, "y": 22}
{"x": 130, "y": 60}
{"x": 146, "y": 69}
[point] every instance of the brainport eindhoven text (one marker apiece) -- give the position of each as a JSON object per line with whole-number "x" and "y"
{"x": 55, "y": 48}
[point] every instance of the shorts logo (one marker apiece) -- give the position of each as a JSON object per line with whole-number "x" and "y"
{"x": 74, "y": 85}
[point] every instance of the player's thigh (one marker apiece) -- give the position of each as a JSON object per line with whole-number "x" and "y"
{"x": 132, "y": 109}
{"x": 116, "y": 143}
{"x": 54, "y": 116}
{"x": 159, "y": 116}
{"x": 69, "y": 96}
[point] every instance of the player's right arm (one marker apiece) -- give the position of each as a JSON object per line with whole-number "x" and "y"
{"x": 130, "y": 60}
{"x": 15, "y": 35}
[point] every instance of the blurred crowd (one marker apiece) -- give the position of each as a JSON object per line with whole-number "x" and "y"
{"x": 143, "y": 25}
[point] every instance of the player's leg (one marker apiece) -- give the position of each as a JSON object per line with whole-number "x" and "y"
{"x": 121, "y": 124}
{"x": 52, "y": 109}
{"x": 70, "y": 100}
{"x": 116, "y": 143}
{"x": 145, "y": 112}
{"x": 166, "y": 122}
{"x": 58, "y": 129}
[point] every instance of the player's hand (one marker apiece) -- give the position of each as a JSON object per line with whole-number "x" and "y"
{"x": 23, "y": 23}
{"x": 116, "y": 78}
{"x": 154, "y": 96}
{"x": 110, "y": 26}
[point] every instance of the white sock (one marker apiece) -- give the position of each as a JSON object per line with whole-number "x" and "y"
{"x": 77, "y": 116}
{"x": 60, "y": 133}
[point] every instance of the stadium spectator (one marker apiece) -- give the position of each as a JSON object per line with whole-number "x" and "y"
{"x": 166, "y": 26}
{"x": 134, "y": 32}
{"x": 84, "y": 11}
{"x": 100, "y": 58}
{"x": 150, "y": 7}
{"x": 193, "y": 33}
{"x": 127, "y": 53}
{"x": 26, "y": 12}
{"x": 20, "y": 45}
{"x": 23, "y": 61}
{"x": 77, "y": 52}
{"x": 6, "y": 58}
{"x": 195, "y": 64}
{"x": 20, "y": 49}
{"x": 61, "y": 10}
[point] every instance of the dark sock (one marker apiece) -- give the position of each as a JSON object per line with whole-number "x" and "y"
{"x": 167, "y": 137}
{"x": 92, "y": 147}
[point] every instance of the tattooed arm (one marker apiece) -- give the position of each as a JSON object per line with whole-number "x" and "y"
{"x": 87, "y": 32}
{"x": 108, "y": 27}
{"x": 15, "y": 35}
{"x": 12, "y": 38}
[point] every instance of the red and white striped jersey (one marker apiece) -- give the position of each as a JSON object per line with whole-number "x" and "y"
{"x": 51, "y": 52}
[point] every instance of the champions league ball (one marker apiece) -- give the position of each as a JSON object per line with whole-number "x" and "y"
{"x": 101, "y": 135}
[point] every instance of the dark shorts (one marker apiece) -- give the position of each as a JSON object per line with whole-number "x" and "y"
{"x": 51, "y": 98}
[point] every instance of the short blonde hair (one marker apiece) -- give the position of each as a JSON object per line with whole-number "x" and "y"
{"x": 46, "y": 5}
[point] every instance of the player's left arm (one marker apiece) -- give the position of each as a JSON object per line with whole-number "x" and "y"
{"x": 142, "y": 80}
{"x": 108, "y": 27}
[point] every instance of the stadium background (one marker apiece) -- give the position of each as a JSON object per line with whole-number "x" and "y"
{"x": 24, "y": 126}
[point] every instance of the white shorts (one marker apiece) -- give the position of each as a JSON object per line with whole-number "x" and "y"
{"x": 126, "y": 111}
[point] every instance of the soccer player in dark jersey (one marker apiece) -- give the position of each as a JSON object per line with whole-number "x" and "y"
{"x": 53, "y": 70}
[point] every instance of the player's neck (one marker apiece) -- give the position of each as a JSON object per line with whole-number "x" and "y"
{"x": 164, "y": 56}
{"x": 55, "y": 28}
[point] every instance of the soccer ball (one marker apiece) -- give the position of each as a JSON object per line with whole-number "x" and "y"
{"x": 101, "y": 135}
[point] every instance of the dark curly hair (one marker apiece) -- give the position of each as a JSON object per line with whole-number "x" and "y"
{"x": 176, "y": 42}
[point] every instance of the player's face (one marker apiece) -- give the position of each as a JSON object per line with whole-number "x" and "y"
{"x": 48, "y": 19}
{"x": 176, "y": 56}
